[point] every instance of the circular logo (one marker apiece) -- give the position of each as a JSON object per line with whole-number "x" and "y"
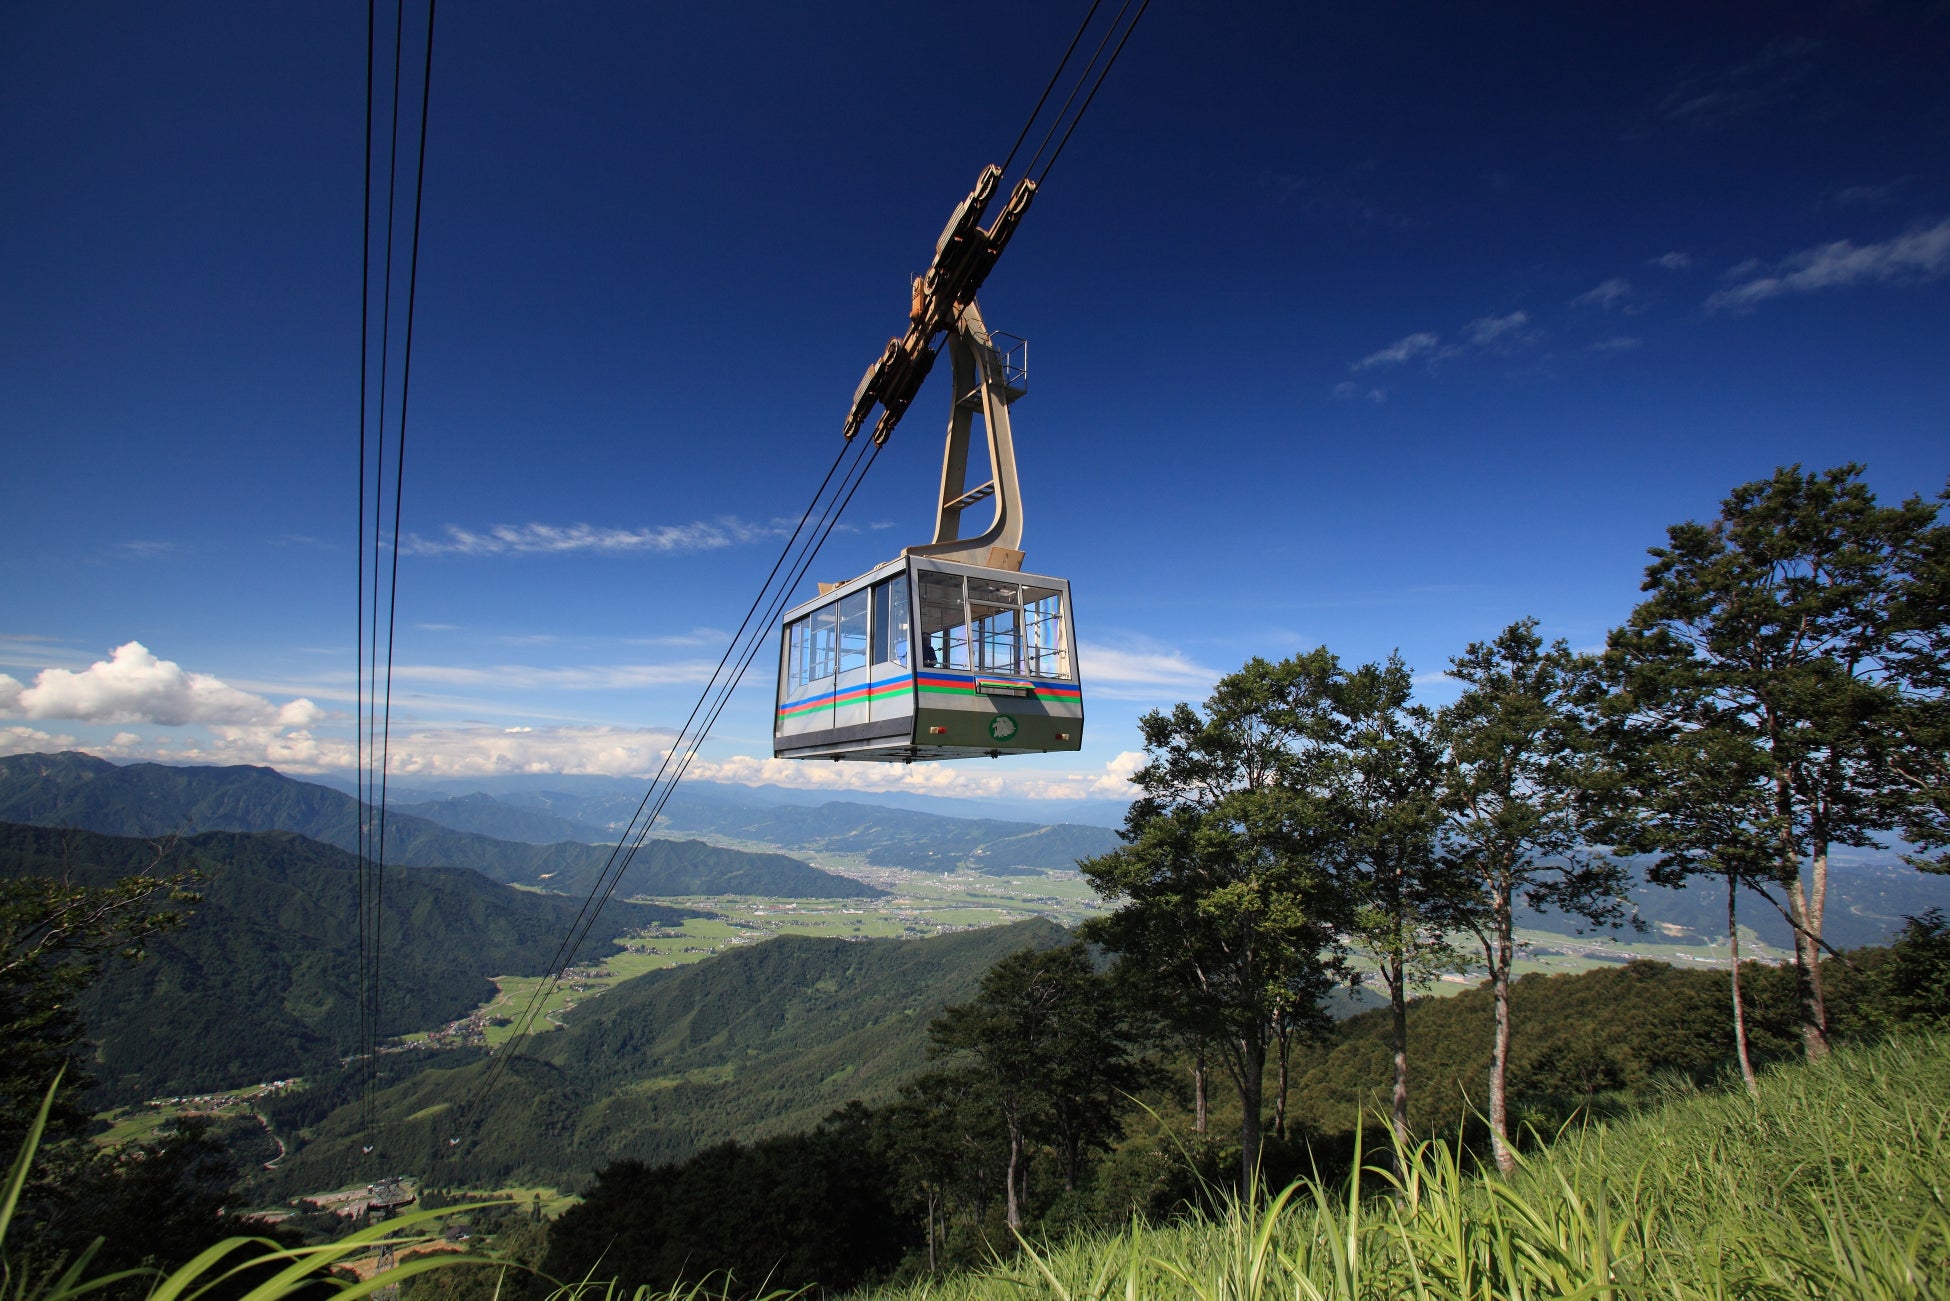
{"x": 1002, "y": 727}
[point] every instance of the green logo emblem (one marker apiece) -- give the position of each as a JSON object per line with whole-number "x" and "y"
{"x": 1002, "y": 727}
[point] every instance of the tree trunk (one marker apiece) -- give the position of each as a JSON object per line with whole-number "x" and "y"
{"x": 1252, "y": 1096}
{"x": 1198, "y": 1091}
{"x": 1500, "y": 963}
{"x": 1817, "y": 906}
{"x": 931, "y": 1261}
{"x": 1739, "y": 1012}
{"x": 1398, "y": 1002}
{"x": 1807, "y": 954}
{"x": 1807, "y": 957}
{"x": 1285, "y": 1031}
{"x": 1014, "y": 1212}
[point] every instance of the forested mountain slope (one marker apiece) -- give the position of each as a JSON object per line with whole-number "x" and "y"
{"x": 760, "y": 1040}
{"x": 150, "y": 799}
{"x": 483, "y": 815}
{"x": 261, "y": 982}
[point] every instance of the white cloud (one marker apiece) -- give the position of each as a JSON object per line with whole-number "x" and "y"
{"x": 1606, "y": 294}
{"x": 1487, "y": 330}
{"x": 1871, "y": 196}
{"x": 1618, "y": 343}
{"x": 1918, "y": 255}
{"x": 557, "y": 539}
{"x": 426, "y": 753}
{"x": 1671, "y": 261}
{"x": 27, "y": 740}
{"x": 592, "y": 677}
{"x": 145, "y": 549}
{"x": 485, "y": 751}
{"x": 965, "y": 781}
{"x": 133, "y": 686}
{"x": 1403, "y": 349}
{"x": 1142, "y": 672}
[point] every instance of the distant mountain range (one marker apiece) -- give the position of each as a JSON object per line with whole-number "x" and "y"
{"x": 521, "y": 788}
{"x": 149, "y": 799}
{"x": 261, "y": 982}
{"x": 754, "y": 1041}
{"x": 884, "y": 836}
{"x": 1868, "y": 898}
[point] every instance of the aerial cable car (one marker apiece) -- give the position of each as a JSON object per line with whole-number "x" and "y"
{"x": 950, "y": 650}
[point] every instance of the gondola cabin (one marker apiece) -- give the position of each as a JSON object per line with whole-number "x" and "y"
{"x": 924, "y": 658}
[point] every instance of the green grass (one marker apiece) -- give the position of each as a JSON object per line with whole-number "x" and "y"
{"x": 1832, "y": 1185}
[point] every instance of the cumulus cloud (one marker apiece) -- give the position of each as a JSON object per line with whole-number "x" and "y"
{"x": 1404, "y": 349}
{"x": 28, "y": 740}
{"x": 133, "y": 686}
{"x": 475, "y": 751}
{"x": 1670, "y": 261}
{"x": 1605, "y": 295}
{"x": 559, "y": 539}
{"x": 1487, "y": 330}
{"x": 1915, "y": 256}
{"x": 488, "y": 751}
{"x": 1110, "y": 781}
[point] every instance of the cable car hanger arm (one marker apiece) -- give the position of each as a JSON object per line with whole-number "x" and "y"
{"x": 963, "y": 258}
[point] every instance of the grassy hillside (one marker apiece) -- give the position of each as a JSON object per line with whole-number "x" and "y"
{"x": 1830, "y": 1186}
{"x": 761, "y": 1040}
{"x": 261, "y": 982}
{"x": 152, "y": 799}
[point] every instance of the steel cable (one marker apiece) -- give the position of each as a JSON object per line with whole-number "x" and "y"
{"x": 604, "y": 886}
{"x": 719, "y": 689}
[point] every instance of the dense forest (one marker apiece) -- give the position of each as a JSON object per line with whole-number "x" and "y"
{"x": 755, "y": 1041}
{"x": 259, "y": 981}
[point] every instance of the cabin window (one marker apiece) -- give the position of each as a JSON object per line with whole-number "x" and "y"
{"x": 995, "y": 617}
{"x": 890, "y": 621}
{"x": 852, "y": 614}
{"x": 1044, "y": 653}
{"x": 944, "y": 621}
{"x": 812, "y": 645}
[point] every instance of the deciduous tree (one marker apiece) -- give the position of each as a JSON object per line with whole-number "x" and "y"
{"x": 1224, "y": 887}
{"x": 1762, "y": 681}
{"x": 1388, "y": 785}
{"x": 1517, "y": 811}
{"x": 1049, "y": 1035}
{"x": 54, "y": 937}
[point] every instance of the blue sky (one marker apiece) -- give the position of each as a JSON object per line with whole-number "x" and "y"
{"x": 1373, "y": 326}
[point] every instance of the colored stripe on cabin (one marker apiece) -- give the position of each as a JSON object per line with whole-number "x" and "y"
{"x": 860, "y": 695}
{"x": 941, "y": 685}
